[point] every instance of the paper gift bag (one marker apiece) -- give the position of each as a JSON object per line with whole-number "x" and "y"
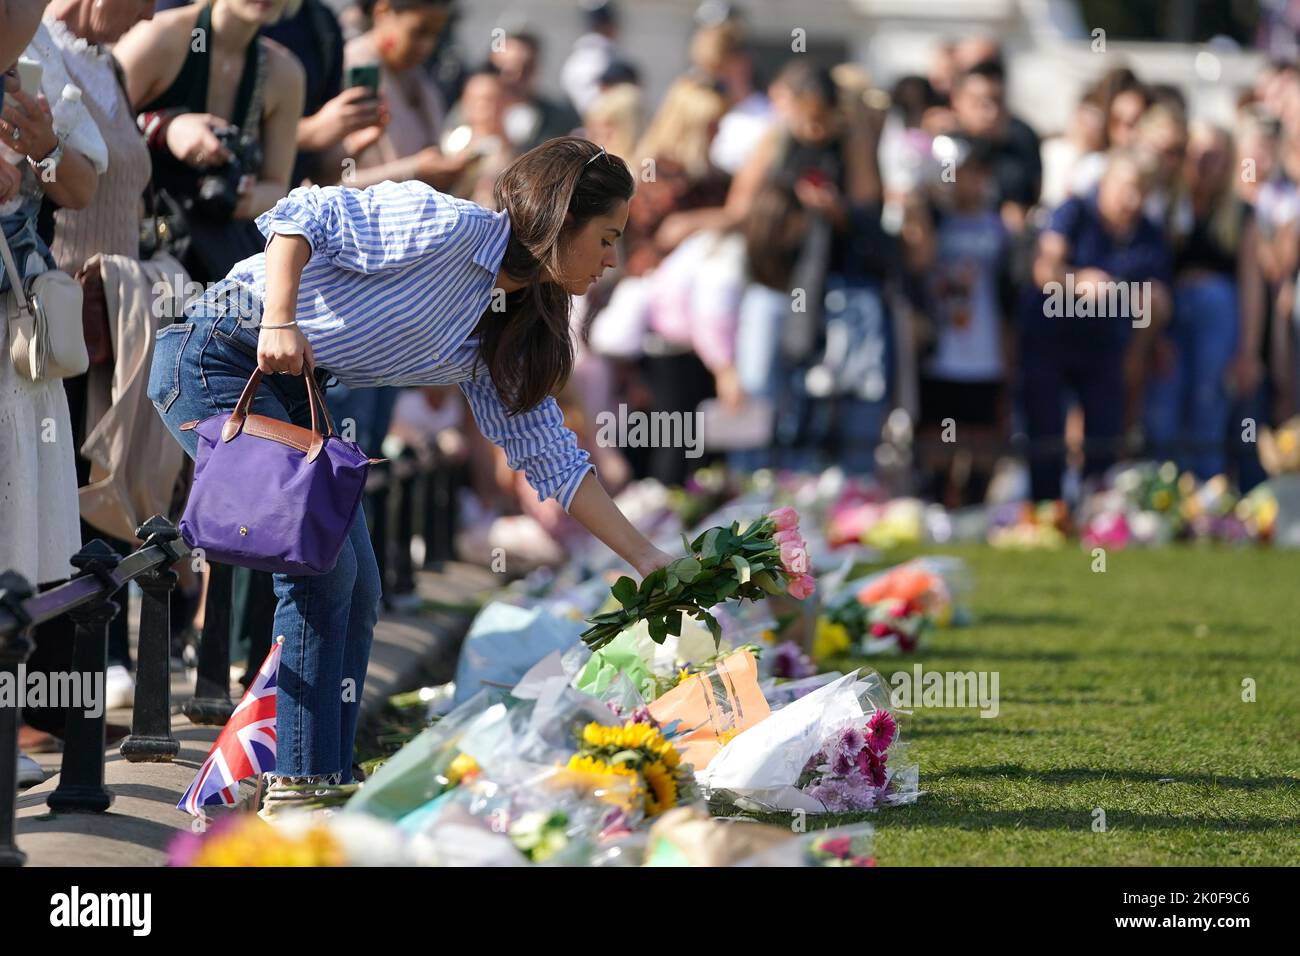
{"x": 713, "y": 707}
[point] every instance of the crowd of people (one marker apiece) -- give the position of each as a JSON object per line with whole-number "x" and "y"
{"x": 806, "y": 255}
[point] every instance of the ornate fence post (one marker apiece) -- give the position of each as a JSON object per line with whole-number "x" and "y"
{"x": 14, "y": 649}
{"x": 81, "y": 781}
{"x": 211, "y": 703}
{"x": 407, "y": 473}
{"x": 440, "y": 517}
{"x": 378, "y": 485}
{"x": 151, "y": 736}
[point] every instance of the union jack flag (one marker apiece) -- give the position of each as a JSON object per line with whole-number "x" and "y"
{"x": 246, "y": 745}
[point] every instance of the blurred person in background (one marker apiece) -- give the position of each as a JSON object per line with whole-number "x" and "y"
{"x": 676, "y": 176}
{"x": 617, "y": 73}
{"x": 39, "y": 505}
{"x": 529, "y": 118}
{"x": 615, "y": 119}
{"x": 1168, "y": 95}
{"x": 609, "y": 319}
{"x": 351, "y": 15}
{"x": 1218, "y": 318}
{"x": 679, "y": 174}
{"x": 906, "y": 160}
{"x": 593, "y": 53}
{"x": 824, "y": 367}
{"x": 972, "y": 51}
{"x": 481, "y": 133}
{"x": 719, "y": 52}
{"x": 1091, "y": 243}
{"x": 1275, "y": 197}
{"x": 330, "y": 113}
{"x": 961, "y": 251}
{"x": 941, "y": 72}
{"x": 108, "y": 225}
{"x": 400, "y": 41}
{"x": 980, "y": 111}
{"x": 1073, "y": 161}
{"x": 221, "y": 119}
{"x": 1125, "y": 99}
{"x": 1162, "y": 138}
{"x": 1276, "y": 85}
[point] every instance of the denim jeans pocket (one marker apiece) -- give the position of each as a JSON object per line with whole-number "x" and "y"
{"x": 165, "y": 371}
{"x": 234, "y": 342}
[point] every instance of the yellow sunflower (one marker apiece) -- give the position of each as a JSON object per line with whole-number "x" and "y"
{"x": 661, "y": 793}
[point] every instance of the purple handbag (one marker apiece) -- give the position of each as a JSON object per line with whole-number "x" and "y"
{"x": 270, "y": 495}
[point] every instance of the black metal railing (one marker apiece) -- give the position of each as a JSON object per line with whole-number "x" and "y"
{"x": 419, "y": 482}
{"x": 88, "y": 598}
{"x": 418, "y": 488}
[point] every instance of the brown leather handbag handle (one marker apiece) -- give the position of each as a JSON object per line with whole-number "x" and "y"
{"x": 235, "y": 424}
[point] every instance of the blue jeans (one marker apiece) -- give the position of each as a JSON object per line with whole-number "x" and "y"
{"x": 1186, "y": 412}
{"x": 758, "y": 334}
{"x": 200, "y": 366}
{"x": 1052, "y": 366}
{"x": 812, "y": 432}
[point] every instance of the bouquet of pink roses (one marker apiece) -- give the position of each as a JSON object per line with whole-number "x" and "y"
{"x": 767, "y": 557}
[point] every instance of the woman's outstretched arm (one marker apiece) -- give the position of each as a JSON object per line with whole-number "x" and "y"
{"x": 597, "y": 512}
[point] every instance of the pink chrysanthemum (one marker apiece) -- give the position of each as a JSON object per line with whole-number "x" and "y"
{"x": 842, "y": 764}
{"x": 863, "y": 761}
{"x": 850, "y": 741}
{"x": 816, "y": 760}
{"x": 880, "y": 731}
{"x": 876, "y": 772}
{"x": 835, "y": 795}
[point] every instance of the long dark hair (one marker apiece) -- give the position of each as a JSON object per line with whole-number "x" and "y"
{"x": 528, "y": 349}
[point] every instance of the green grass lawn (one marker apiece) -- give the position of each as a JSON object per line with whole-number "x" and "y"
{"x": 1121, "y": 691}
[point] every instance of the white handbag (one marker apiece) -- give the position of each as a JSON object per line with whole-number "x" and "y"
{"x": 46, "y": 339}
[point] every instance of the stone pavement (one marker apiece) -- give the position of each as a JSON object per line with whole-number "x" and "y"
{"x": 409, "y": 650}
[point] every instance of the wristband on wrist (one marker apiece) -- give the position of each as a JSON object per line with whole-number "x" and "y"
{"x": 46, "y": 165}
{"x": 154, "y": 126}
{"x": 286, "y": 325}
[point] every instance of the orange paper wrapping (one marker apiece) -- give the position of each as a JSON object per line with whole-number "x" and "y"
{"x": 713, "y": 707}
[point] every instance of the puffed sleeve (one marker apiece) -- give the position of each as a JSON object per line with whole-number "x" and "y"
{"x": 388, "y": 226}
{"x": 84, "y": 135}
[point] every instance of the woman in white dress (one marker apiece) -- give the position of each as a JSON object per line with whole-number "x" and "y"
{"x": 39, "y": 515}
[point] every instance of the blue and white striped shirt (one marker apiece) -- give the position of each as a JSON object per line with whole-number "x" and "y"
{"x": 399, "y": 276}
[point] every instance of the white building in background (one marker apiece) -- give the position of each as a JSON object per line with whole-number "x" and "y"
{"x": 1051, "y": 55}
